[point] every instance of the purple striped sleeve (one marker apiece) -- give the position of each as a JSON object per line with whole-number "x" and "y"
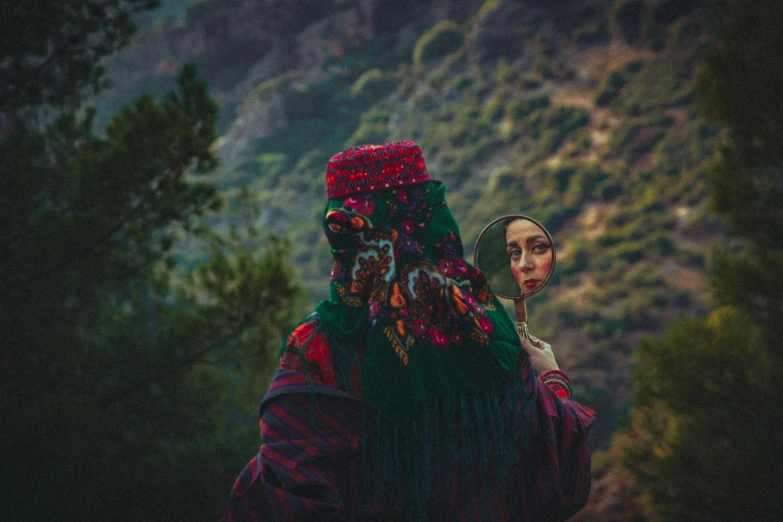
{"x": 307, "y": 460}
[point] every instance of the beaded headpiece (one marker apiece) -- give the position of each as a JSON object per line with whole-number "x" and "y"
{"x": 375, "y": 167}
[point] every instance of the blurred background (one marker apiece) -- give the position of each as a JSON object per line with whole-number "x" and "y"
{"x": 161, "y": 190}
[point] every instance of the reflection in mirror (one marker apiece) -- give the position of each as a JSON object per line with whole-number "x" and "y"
{"x": 517, "y": 255}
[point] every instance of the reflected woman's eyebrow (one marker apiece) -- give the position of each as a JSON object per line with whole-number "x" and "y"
{"x": 512, "y": 244}
{"x": 530, "y": 239}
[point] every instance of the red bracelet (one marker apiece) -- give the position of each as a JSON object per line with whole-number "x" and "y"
{"x": 558, "y": 382}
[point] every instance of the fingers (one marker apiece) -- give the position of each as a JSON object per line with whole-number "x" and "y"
{"x": 533, "y": 346}
{"x": 535, "y": 342}
{"x": 527, "y": 345}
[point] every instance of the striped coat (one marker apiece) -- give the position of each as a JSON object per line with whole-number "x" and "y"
{"x": 308, "y": 467}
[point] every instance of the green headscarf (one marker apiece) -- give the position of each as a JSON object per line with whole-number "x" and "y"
{"x": 424, "y": 320}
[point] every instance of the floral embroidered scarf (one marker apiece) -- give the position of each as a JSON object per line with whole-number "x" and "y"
{"x": 423, "y": 320}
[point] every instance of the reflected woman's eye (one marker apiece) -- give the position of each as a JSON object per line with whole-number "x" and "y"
{"x": 514, "y": 254}
{"x": 540, "y": 248}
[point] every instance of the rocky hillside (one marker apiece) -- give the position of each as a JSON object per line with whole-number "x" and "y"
{"x": 580, "y": 114}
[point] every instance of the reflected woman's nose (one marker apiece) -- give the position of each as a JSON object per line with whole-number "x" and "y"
{"x": 526, "y": 263}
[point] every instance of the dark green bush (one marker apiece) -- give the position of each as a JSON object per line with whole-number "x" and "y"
{"x": 626, "y": 17}
{"x": 520, "y": 109}
{"x": 635, "y": 137}
{"x": 661, "y": 14}
{"x": 580, "y": 252}
{"x": 613, "y": 83}
{"x": 443, "y": 39}
{"x": 586, "y": 184}
{"x": 662, "y": 83}
{"x": 373, "y": 85}
{"x": 610, "y": 88}
{"x": 373, "y": 127}
{"x": 591, "y": 32}
{"x": 693, "y": 256}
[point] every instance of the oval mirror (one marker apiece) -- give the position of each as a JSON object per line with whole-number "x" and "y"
{"x": 517, "y": 255}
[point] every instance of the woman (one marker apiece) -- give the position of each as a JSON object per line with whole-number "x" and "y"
{"x": 530, "y": 253}
{"x": 407, "y": 394}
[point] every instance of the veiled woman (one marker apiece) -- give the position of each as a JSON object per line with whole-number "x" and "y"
{"x": 408, "y": 394}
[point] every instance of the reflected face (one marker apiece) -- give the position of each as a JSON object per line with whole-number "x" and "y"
{"x": 529, "y": 252}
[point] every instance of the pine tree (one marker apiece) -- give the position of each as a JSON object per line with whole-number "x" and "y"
{"x": 131, "y": 369}
{"x": 704, "y": 439}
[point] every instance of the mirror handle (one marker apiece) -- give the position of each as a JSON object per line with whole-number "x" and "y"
{"x": 521, "y": 312}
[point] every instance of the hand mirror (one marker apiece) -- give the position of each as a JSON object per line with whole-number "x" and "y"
{"x": 517, "y": 255}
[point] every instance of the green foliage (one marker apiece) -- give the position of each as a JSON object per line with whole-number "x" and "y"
{"x": 612, "y": 84}
{"x": 126, "y": 370}
{"x": 626, "y": 17}
{"x": 663, "y": 82}
{"x": 709, "y": 387}
{"x": 50, "y": 52}
{"x": 749, "y": 165}
{"x": 590, "y": 32}
{"x": 578, "y": 260}
{"x": 373, "y": 85}
{"x": 549, "y": 127}
{"x": 373, "y": 128}
{"x": 496, "y": 31}
{"x": 521, "y": 108}
{"x": 635, "y": 137}
{"x": 660, "y": 15}
{"x": 640, "y": 21}
{"x": 443, "y": 39}
{"x": 718, "y": 396}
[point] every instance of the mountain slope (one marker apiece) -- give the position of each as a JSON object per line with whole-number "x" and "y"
{"x": 580, "y": 114}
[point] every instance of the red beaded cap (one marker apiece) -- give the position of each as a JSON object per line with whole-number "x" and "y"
{"x": 375, "y": 167}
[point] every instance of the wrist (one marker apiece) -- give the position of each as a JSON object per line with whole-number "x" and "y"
{"x": 558, "y": 382}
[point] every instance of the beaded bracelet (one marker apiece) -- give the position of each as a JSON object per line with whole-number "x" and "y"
{"x": 560, "y": 381}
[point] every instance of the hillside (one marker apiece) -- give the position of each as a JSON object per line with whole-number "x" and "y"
{"x": 580, "y": 114}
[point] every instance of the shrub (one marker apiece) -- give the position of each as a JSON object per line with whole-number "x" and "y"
{"x": 520, "y": 109}
{"x": 626, "y": 17}
{"x": 579, "y": 259}
{"x": 612, "y": 84}
{"x": 663, "y": 13}
{"x": 271, "y": 165}
{"x": 585, "y": 184}
{"x": 692, "y": 256}
{"x": 306, "y": 102}
{"x": 373, "y": 127}
{"x": 443, "y": 39}
{"x": 550, "y": 127}
{"x": 373, "y": 84}
{"x": 590, "y": 33}
{"x": 663, "y": 82}
{"x": 636, "y": 137}
{"x": 610, "y": 88}
{"x": 642, "y": 275}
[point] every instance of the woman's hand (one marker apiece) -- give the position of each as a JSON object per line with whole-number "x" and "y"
{"x": 541, "y": 355}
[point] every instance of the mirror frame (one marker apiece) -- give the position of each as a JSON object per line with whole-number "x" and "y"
{"x": 521, "y": 296}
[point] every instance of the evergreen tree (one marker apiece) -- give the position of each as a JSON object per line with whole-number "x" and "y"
{"x": 50, "y": 51}
{"x": 741, "y": 83}
{"x": 130, "y": 373}
{"x": 704, "y": 441}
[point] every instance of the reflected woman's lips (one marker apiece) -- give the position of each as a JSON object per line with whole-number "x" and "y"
{"x": 530, "y": 283}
